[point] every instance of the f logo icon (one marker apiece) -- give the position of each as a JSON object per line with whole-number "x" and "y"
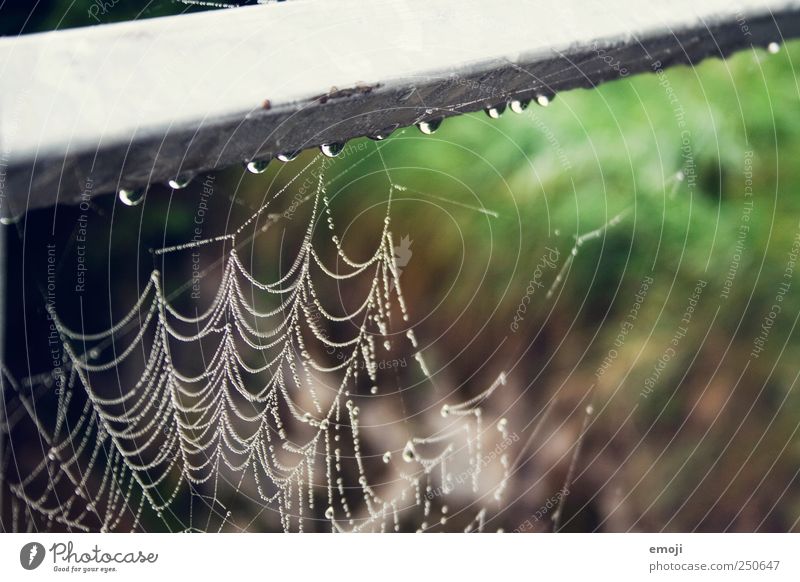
{"x": 31, "y": 555}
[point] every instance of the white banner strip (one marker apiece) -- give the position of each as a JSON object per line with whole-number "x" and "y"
{"x": 400, "y": 557}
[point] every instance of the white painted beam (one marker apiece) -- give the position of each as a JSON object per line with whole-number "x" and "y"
{"x": 127, "y": 104}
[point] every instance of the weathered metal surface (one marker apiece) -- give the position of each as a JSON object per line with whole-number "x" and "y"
{"x": 130, "y": 104}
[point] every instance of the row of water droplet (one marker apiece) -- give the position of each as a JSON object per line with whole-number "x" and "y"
{"x": 134, "y": 196}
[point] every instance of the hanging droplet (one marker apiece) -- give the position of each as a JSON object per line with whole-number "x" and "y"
{"x": 519, "y": 105}
{"x": 257, "y": 166}
{"x": 180, "y": 182}
{"x": 373, "y": 390}
{"x": 543, "y": 100}
{"x": 288, "y": 156}
{"x": 384, "y": 133}
{"x": 132, "y": 196}
{"x": 51, "y": 455}
{"x": 5, "y": 221}
{"x": 445, "y": 411}
{"x": 307, "y": 417}
{"x": 329, "y": 512}
{"x": 773, "y": 48}
{"x": 590, "y": 410}
{"x": 331, "y": 149}
{"x": 502, "y": 424}
{"x": 495, "y": 111}
{"x": 429, "y": 127}
{"x": 387, "y": 456}
{"x": 323, "y": 424}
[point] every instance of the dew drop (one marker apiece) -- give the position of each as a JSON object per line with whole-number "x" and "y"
{"x": 288, "y": 156}
{"x": 502, "y": 424}
{"x": 5, "y": 221}
{"x": 132, "y": 196}
{"x": 519, "y": 105}
{"x": 495, "y": 111}
{"x": 329, "y": 512}
{"x": 383, "y": 134}
{"x": 408, "y": 453}
{"x": 773, "y": 48}
{"x": 429, "y": 127}
{"x": 323, "y": 424}
{"x": 331, "y": 149}
{"x": 373, "y": 390}
{"x": 543, "y": 100}
{"x": 387, "y": 456}
{"x": 590, "y": 410}
{"x": 445, "y": 411}
{"x": 257, "y": 166}
{"x": 180, "y": 182}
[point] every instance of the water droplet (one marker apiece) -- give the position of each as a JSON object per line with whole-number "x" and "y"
{"x": 355, "y": 411}
{"x": 408, "y": 453}
{"x": 51, "y": 455}
{"x": 180, "y": 182}
{"x": 331, "y": 149}
{"x": 307, "y": 417}
{"x": 444, "y": 509}
{"x": 445, "y": 411}
{"x": 384, "y": 133}
{"x": 773, "y": 47}
{"x": 373, "y": 390}
{"x": 495, "y": 111}
{"x": 288, "y": 156}
{"x": 429, "y": 127}
{"x": 590, "y": 409}
{"x": 387, "y": 456}
{"x": 543, "y": 100}
{"x": 5, "y": 221}
{"x": 329, "y": 512}
{"x": 132, "y": 196}
{"x": 323, "y": 424}
{"x": 519, "y": 105}
{"x": 257, "y": 166}
{"x": 501, "y": 424}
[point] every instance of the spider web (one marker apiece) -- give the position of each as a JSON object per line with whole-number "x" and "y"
{"x": 247, "y": 414}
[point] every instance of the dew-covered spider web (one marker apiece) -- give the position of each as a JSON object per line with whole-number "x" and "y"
{"x": 258, "y": 398}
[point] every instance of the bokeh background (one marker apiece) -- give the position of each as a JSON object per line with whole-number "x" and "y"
{"x": 675, "y": 319}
